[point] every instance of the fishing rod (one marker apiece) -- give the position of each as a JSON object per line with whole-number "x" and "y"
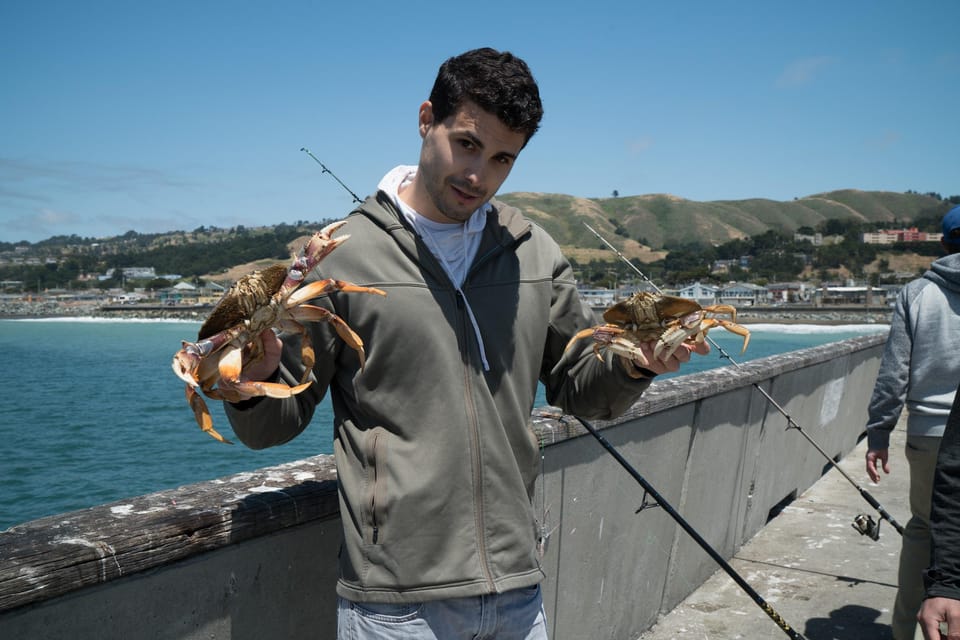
{"x": 863, "y": 523}
{"x": 356, "y": 198}
{"x": 656, "y": 496}
{"x": 659, "y": 501}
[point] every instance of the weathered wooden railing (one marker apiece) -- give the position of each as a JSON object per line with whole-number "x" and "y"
{"x": 254, "y": 555}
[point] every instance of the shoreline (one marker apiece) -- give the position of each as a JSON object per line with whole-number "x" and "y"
{"x": 48, "y": 310}
{"x": 782, "y": 315}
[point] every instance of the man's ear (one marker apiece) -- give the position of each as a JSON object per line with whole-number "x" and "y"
{"x": 425, "y": 117}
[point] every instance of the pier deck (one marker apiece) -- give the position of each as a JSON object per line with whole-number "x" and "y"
{"x": 809, "y": 564}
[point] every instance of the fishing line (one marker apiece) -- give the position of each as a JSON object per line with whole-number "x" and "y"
{"x": 663, "y": 504}
{"x": 863, "y": 523}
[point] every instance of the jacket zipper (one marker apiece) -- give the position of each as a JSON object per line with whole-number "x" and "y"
{"x": 474, "y": 428}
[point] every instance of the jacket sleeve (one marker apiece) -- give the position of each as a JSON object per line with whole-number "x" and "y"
{"x": 943, "y": 576}
{"x": 890, "y": 390}
{"x": 266, "y": 422}
{"x": 575, "y": 379}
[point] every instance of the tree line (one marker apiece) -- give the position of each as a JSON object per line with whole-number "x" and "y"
{"x": 773, "y": 256}
{"x": 178, "y": 254}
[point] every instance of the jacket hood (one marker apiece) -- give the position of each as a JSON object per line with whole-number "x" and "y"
{"x": 946, "y": 272}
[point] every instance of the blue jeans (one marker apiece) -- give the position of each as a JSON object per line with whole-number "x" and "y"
{"x": 514, "y": 615}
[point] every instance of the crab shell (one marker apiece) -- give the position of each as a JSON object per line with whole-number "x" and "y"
{"x": 229, "y": 339}
{"x": 668, "y": 320}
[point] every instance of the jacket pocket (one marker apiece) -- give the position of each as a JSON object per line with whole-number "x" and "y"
{"x": 376, "y": 483}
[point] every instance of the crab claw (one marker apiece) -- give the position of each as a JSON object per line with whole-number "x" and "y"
{"x": 668, "y": 344}
{"x": 188, "y": 359}
{"x": 185, "y": 363}
{"x": 322, "y": 242}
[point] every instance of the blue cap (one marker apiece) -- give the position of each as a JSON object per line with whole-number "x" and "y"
{"x": 951, "y": 226}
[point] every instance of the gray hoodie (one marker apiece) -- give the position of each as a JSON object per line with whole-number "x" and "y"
{"x": 436, "y": 458}
{"x": 921, "y": 362}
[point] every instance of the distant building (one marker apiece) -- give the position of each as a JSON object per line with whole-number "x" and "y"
{"x": 742, "y": 294}
{"x": 132, "y": 273}
{"x": 890, "y": 236}
{"x": 702, "y": 293}
{"x": 817, "y": 239}
{"x": 789, "y": 292}
{"x": 853, "y": 295}
{"x": 597, "y": 297}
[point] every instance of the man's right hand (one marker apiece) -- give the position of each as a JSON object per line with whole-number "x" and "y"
{"x": 877, "y": 458}
{"x": 265, "y": 367}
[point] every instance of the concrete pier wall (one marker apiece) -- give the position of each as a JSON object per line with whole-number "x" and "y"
{"x": 254, "y": 555}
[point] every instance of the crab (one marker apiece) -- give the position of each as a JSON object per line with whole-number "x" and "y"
{"x": 230, "y": 336}
{"x": 669, "y": 320}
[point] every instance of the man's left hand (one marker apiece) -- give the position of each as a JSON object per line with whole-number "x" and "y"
{"x": 672, "y": 363}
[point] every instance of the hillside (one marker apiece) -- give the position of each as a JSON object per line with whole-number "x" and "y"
{"x": 652, "y": 221}
{"x": 647, "y": 227}
{"x": 657, "y": 220}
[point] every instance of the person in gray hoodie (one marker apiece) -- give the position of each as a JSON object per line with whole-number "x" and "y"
{"x": 436, "y": 456}
{"x": 920, "y": 369}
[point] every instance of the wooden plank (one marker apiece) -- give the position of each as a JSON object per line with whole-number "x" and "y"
{"x": 52, "y": 556}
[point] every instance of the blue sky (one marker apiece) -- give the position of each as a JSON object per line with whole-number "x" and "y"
{"x": 119, "y": 116}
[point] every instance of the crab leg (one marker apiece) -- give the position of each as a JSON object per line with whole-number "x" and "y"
{"x": 307, "y": 355}
{"x": 202, "y": 414}
{"x": 320, "y": 287}
{"x": 733, "y": 327}
{"x": 311, "y": 313}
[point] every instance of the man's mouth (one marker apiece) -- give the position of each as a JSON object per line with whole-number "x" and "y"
{"x": 465, "y": 194}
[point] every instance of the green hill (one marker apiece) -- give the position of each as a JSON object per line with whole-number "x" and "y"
{"x": 639, "y": 225}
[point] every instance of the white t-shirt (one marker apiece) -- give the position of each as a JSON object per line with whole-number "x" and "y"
{"x": 454, "y": 244}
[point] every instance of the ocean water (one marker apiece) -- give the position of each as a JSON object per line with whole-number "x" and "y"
{"x": 92, "y": 411}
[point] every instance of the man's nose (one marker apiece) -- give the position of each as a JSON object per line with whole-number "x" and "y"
{"x": 474, "y": 172}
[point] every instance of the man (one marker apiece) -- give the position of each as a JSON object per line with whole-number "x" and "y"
{"x": 920, "y": 369}
{"x": 435, "y": 456}
{"x": 943, "y": 577}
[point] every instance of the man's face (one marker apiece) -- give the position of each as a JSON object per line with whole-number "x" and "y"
{"x": 463, "y": 161}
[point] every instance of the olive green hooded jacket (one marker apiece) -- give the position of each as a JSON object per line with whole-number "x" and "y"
{"x": 436, "y": 458}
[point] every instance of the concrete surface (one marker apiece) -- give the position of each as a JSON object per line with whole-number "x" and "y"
{"x": 821, "y": 576}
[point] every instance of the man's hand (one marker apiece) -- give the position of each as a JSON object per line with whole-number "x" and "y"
{"x": 263, "y": 368}
{"x": 668, "y": 365}
{"x": 875, "y": 459}
{"x": 937, "y": 610}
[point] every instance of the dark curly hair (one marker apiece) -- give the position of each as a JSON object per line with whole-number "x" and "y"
{"x": 498, "y": 82}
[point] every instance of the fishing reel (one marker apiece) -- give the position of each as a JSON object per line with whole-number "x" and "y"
{"x": 867, "y": 526}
